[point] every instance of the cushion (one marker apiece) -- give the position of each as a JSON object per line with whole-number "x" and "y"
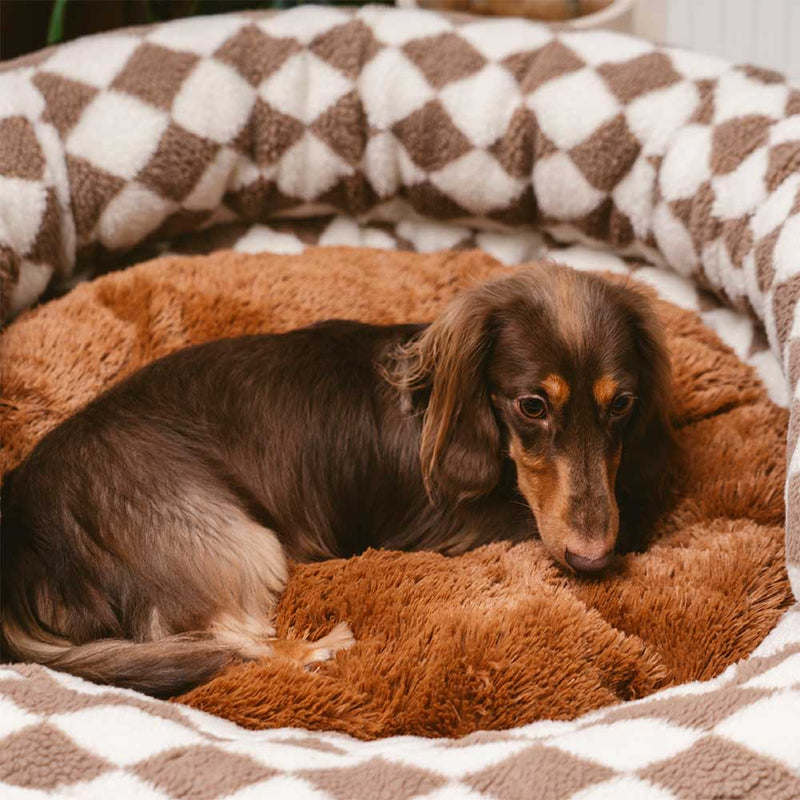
{"x": 492, "y": 639}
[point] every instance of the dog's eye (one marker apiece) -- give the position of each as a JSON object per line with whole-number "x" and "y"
{"x": 532, "y": 406}
{"x": 621, "y": 404}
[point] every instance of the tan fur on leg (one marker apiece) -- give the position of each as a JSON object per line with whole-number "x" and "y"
{"x": 305, "y": 653}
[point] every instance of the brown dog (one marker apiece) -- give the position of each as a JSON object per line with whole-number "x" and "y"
{"x": 145, "y": 540}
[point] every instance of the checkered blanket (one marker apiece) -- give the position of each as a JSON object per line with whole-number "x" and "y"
{"x": 400, "y": 128}
{"x": 733, "y": 737}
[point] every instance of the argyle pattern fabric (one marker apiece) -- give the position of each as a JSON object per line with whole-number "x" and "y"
{"x": 732, "y": 737}
{"x": 408, "y": 129}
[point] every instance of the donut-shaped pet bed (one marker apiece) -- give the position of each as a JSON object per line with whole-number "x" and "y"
{"x": 495, "y": 638}
{"x": 407, "y": 130}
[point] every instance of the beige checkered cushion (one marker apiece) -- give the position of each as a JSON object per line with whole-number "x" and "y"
{"x": 733, "y": 737}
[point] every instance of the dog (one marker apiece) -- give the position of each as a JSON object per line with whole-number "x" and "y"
{"x": 146, "y": 539}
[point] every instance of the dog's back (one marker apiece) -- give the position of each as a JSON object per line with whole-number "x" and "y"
{"x": 140, "y": 541}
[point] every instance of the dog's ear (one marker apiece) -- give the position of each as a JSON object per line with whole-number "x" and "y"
{"x": 649, "y": 442}
{"x": 460, "y": 446}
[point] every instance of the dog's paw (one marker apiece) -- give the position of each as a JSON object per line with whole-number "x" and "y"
{"x": 305, "y": 653}
{"x": 340, "y": 638}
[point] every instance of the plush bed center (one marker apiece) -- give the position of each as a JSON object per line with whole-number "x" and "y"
{"x": 495, "y": 638}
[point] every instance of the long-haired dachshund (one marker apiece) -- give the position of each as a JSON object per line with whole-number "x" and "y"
{"x": 145, "y": 540}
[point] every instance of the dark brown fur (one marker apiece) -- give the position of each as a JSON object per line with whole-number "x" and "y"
{"x": 145, "y": 539}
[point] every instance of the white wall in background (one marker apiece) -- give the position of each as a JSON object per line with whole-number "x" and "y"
{"x": 763, "y": 32}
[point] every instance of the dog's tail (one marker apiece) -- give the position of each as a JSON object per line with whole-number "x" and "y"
{"x": 163, "y": 668}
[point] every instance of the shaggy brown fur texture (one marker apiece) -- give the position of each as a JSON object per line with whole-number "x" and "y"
{"x": 445, "y": 646}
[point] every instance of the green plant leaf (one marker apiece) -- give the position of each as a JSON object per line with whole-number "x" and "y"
{"x": 55, "y": 30}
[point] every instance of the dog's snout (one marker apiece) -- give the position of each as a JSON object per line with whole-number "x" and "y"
{"x": 593, "y": 512}
{"x": 583, "y": 563}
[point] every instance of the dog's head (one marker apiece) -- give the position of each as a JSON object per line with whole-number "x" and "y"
{"x": 562, "y": 372}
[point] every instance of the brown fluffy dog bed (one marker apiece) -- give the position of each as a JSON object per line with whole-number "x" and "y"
{"x": 445, "y": 646}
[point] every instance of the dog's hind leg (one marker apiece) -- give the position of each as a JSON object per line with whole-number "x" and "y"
{"x": 162, "y": 589}
{"x": 305, "y": 653}
{"x": 251, "y": 640}
{"x": 249, "y": 572}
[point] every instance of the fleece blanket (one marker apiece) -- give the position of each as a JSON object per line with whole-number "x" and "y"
{"x": 399, "y": 128}
{"x": 726, "y": 738}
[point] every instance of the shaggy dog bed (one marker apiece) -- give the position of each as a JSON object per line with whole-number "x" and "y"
{"x": 499, "y": 636}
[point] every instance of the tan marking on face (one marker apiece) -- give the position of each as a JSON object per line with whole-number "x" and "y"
{"x": 545, "y": 485}
{"x": 525, "y": 461}
{"x": 612, "y": 467}
{"x": 557, "y": 389}
{"x": 605, "y": 389}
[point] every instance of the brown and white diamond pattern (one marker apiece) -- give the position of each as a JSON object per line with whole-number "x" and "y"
{"x": 63, "y": 737}
{"x": 260, "y": 113}
{"x": 725, "y": 190}
{"x": 33, "y": 185}
{"x": 418, "y": 72}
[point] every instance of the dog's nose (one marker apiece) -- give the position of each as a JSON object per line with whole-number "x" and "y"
{"x": 586, "y": 564}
